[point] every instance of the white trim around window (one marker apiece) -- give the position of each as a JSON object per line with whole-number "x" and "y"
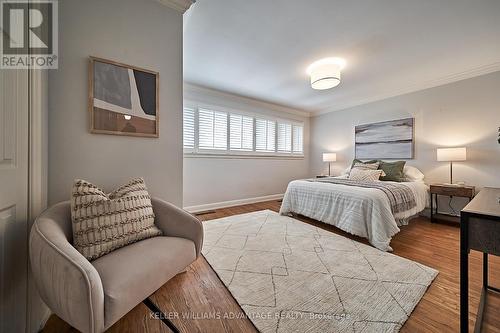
{"x": 220, "y": 132}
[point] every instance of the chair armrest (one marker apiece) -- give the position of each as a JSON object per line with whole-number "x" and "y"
{"x": 176, "y": 222}
{"x": 66, "y": 280}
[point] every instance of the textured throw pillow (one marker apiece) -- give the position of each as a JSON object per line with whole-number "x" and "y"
{"x": 365, "y": 175}
{"x": 393, "y": 171}
{"x": 359, "y": 161}
{"x": 103, "y": 223}
{"x": 366, "y": 166}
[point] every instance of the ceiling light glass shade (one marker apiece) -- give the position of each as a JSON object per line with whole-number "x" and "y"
{"x": 451, "y": 154}
{"x": 325, "y": 73}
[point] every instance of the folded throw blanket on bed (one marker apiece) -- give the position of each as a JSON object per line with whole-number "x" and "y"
{"x": 401, "y": 197}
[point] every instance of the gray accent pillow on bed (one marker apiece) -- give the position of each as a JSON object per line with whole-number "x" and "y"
{"x": 393, "y": 171}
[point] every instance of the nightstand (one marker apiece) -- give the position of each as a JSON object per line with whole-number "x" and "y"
{"x": 462, "y": 191}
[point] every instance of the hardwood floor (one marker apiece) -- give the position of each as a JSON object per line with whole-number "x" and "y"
{"x": 198, "y": 292}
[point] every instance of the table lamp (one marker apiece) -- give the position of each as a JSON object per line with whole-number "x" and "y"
{"x": 451, "y": 155}
{"x": 329, "y": 157}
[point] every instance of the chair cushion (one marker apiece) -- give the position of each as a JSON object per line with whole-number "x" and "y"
{"x": 132, "y": 273}
{"x": 103, "y": 223}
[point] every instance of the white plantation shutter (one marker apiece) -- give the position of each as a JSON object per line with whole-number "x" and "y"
{"x": 271, "y": 135}
{"x": 212, "y": 129}
{"x": 220, "y": 130}
{"x": 298, "y": 139}
{"x": 241, "y": 132}
{"x": 260, "y": 135}
{"x": 188, "y": 128}
{"x": 284, "y": 138}
{"x": 229, "y": 133}
{"x": 265, "y": 135}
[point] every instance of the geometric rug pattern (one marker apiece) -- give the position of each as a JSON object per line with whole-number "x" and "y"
{"x": 290, "y": 276}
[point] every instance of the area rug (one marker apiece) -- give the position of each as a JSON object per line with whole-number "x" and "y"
{"x": 289, "y": 276}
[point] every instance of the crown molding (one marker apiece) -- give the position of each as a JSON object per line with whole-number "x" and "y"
{"x": 414, "y": 87}
{"x": 179, "y": 5}
{"x": 192, "y": 92}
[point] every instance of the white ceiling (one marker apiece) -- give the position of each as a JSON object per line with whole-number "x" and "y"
{"x": 261, "y": 48}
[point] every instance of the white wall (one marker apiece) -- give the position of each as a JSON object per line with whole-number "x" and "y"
{"x": 143, "y": 33}
{"x": 465, "y": 113}
{"x": 209, "y": 180}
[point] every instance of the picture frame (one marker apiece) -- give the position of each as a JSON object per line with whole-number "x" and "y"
{"x": 393, "y": 139}
{"x": 123, "y": 99}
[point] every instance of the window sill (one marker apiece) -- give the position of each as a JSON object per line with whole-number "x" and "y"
{"x": 243, "y": 156}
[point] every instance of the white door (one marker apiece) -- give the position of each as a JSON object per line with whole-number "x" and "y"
{"x": 13, "y": 199}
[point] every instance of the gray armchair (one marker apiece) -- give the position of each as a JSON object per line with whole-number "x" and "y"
{"x": 92, "y": 296}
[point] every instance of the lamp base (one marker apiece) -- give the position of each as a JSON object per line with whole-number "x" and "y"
{"x": 453, "y": 184}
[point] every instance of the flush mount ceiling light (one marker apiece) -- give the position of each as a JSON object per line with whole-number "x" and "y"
{"x": 325, "y": 73}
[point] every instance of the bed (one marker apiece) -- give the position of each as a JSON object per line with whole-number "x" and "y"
{"x": 362, "y": 211}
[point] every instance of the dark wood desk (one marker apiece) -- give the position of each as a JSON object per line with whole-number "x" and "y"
{"x": 479, "y": 230}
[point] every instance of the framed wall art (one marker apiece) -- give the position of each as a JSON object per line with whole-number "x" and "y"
{"x": 388, "y": 139}
{"x": 123, "y": 99}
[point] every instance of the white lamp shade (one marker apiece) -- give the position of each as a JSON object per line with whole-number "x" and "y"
{"x": 325, "y": 73}
{"x": 329, "y": 157}
{"x": 451, "y": 154}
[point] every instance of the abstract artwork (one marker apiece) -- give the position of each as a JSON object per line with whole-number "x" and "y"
{"x": 123, "y": 99}
{"x": 385, "y": 140}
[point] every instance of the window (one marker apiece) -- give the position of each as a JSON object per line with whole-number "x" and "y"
{"x": 298, "y": 139}
{"x": 284, "y": 138}
{"x": 208, "y": 131}
{"x": 241, "y": 132}
{"x": 212, "y": 129}
{"x": 188, "y": 128}
{"x": 265, "y": 135}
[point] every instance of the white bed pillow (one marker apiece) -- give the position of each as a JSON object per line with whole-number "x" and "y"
{"x": 412, "y": 174}
{"x": 346, "y": 171}
{"x": 365, "y": 175}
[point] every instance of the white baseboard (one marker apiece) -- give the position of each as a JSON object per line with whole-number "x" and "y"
{"x": 232, "y": 203}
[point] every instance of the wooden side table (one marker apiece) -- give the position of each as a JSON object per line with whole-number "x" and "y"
{"x": 462, "y": 191}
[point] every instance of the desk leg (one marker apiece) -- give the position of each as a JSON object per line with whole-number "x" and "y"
{"x": 436, "y": 201}
{"x": 484, "y": 294}
{"x": 432, "y": 208}
{"x": 464, "y": 275}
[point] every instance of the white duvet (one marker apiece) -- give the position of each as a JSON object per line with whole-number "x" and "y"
{"x": 364, "y": 212}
